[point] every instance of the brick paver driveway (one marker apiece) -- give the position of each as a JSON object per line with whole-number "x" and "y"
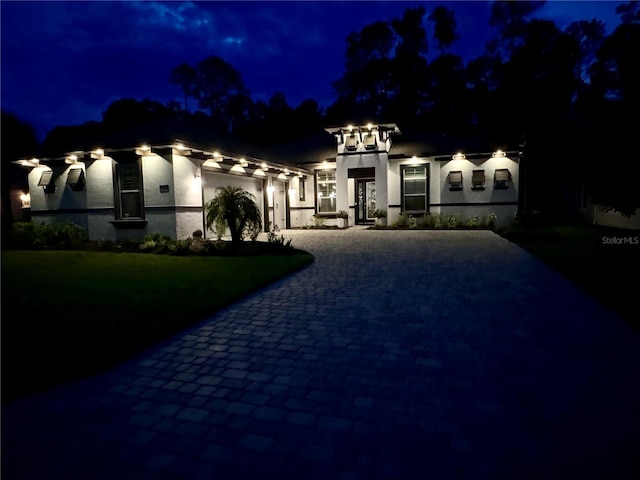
{"x": 430, "y": 355}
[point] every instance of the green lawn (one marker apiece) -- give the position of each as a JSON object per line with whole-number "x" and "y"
{"x": 603, "y": 261}
{"x": 69, "y": 314}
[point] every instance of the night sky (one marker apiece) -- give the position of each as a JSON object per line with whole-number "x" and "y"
{"x": 63, "y": 63}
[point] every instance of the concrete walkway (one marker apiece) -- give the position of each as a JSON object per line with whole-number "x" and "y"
{"x": 400, "y": 355}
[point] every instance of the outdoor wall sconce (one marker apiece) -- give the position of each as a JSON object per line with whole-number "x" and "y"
{"x": 458, "y": 156}
{"x": 243, "y": 163}
{"x": 498, "y": 154}
{"x": 25, "y": 198}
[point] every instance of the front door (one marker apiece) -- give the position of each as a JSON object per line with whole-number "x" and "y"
{"x": 365, "y": 200}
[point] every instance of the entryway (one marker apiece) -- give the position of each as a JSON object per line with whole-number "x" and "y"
{"x": 365, "y": 200}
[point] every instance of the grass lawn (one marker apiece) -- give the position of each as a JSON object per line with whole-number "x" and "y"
{"x": 603, "y": 261}
{"x": 69, "y": 314}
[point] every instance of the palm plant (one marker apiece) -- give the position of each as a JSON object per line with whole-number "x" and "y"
{"x": 237, "y": 208}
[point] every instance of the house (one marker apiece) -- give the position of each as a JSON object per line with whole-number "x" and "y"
{"x": 126, "y": 193}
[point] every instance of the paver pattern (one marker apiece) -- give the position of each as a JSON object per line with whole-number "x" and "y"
{"x": 396, "y": 355}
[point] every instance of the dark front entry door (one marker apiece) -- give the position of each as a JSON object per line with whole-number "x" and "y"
{"x": 365, "y": 200}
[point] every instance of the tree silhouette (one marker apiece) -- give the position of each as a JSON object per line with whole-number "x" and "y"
{"x": 185, "y": 77}
{"x": 220, "y": 89}
{"x": 18, "y": 141}
{"x": 445, "y": 26}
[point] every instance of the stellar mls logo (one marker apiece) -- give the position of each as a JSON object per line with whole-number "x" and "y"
{"x": 620, "y": 240}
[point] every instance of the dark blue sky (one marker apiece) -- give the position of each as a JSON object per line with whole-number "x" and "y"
{"x": 63, "y": 63}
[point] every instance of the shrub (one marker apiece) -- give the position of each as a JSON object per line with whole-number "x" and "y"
{"x": 317, "y": 221}
{"x": 180, "y": 247}
{"x": 30, "y": 235}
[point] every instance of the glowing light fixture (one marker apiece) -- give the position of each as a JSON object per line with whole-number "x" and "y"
{"x": 243, "y": 163}
{"x": 25, "y": 198}
{"x": 498, "y": 154}
{"x": 71, "y": 159}
{"x": 97, "y": 154}
{"x": 264, "y": 166}
{"x": 459, "y": 156}
{"x": 350, "y": 127}
{"x": 369, "y": 126}
{"x": 182, "y": 150}
{"x": 143, "y": 150}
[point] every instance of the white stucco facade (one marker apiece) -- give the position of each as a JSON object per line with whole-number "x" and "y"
{"x": 127, "y": 194}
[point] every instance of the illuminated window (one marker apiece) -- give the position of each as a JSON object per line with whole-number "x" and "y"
{"x": 326, "y": 192}
{"x": 477, "y": 179}
{"x": 455, "y": 180}
{"x": 414, "y": 189}
{"x": 129, "y": 184}
{"x": 501, "y": 178}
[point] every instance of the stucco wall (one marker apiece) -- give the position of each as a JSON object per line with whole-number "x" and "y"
{"x": 615, "y": 219}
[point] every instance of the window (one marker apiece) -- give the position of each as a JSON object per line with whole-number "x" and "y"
{"x": 501, "y": 178}
{"x": 326, "y": 192}
{"x": 477, "y": 179}
{"x": 129, "y": 191}
{"x": 301, "y": 189}
{"x": 414, "y": 189}
{"x": 45, "y": 178}
{"x": 351, "y": 143}
{"x": 75, "y": 179}
{"x": 370, "y": 141}
{"x": 455, "y": 180}
{"x": 46, "y": 181}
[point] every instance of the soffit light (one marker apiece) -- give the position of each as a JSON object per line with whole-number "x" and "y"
{"x": 143, "y": 150}
{"x": 97, "y": 154}
{"x": 498, "y": 154}
{"x": 459, "y": 156}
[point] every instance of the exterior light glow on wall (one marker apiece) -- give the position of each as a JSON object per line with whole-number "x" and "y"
{"x": 143, "y": 150}
{"x": 459, "y": 156}
{"x": 258, "y": 172}
{"x": 182, "y": 150}
{"x": 197, "y": 181}
{"x": 25, "y": 198}
{"x": 282, "y": 176}
{"x": 34, "y": 162}
{"x": 97, "y": 154}
{"x": 237, "y": 168}
{"x": 243, "y": 163}
{"x": 498, "y": 154}
{"x": 71, "y": 159}
{"x": 292, "y": 193}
